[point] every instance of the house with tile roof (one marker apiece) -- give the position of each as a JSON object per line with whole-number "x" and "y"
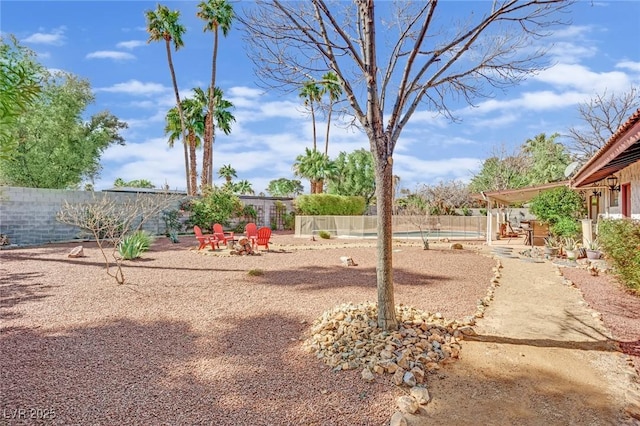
{"x": 614, "y": 173}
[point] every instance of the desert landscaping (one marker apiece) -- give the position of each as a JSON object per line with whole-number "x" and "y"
{"x": 195, "y": 338}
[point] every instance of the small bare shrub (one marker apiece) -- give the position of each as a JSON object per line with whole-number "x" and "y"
{"x": 110, "y": 221}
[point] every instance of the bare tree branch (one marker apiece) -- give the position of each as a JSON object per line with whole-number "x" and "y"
{"x": 431, "y": 62}
{"x": 601, "y": 116}
{"x": 110, "y": 220}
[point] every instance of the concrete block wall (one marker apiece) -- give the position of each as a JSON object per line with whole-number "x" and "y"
{"x": 28, "y": 215}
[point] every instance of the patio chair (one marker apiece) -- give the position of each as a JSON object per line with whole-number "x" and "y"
{"x": 222, "y": 235}
{"x": 251, "y": 232}
{"x": 264, "y": 234}
{"x": 205, "y": 240}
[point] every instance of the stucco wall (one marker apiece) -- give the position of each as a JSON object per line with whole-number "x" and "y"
{"x": 631, "y": 175}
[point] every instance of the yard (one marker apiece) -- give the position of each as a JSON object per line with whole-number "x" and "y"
{"x": 193, "y": 338}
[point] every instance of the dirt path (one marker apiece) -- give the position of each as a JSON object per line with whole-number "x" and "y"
{"x": 541, "y": 357}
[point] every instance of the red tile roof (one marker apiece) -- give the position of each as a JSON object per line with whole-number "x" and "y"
{"x": 618, "y": 152}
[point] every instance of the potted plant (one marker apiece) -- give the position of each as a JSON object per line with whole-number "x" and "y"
{"x": 571, "y": 248}
{"x": 593, "y": 249}
{"x": 551, "y": 246}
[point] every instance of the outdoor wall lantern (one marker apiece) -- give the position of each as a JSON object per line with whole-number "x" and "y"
{"x": 612, "y": 183}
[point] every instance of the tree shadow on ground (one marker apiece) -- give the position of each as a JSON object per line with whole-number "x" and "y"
{"x": 137, "y": 263}
{"x": 272, "y": 368}
{"x": 20, "y": 287}
{"x": 323, "y": 277}
{"x": 506, "y": 391}
{"x": 594, "y": 338}
{"x": 243, "y": 371}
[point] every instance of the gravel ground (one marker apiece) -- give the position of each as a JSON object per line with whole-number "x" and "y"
{"x": 192, "y": 338}
{"x": 620, "y": 309}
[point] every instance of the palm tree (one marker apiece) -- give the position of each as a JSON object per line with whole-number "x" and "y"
{"x": 162, "y": 24}
{"x": 194, "y": 123}
{"x": 218, "y": 14}
{"x": 314, "y": 166}
{"x": 223, "y": 119}
{"x": 244, "y": 187}
{"x": 311, "y": 94}
{"x": 227, "y": 172}
{"x": 331, "y": 86}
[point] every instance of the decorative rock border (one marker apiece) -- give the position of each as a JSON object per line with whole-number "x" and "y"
{"x": 347, "y": 337}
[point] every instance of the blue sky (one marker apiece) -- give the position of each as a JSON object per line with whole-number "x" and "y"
{"x": 105, "y": 42}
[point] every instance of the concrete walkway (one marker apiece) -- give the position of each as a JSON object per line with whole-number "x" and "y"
{"x": 541, "y": 357}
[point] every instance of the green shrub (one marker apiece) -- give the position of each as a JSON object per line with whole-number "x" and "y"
{"x": 249, "y": 213}
{"x": 289, "y": 220}
{"x": 173, "y": 236}
{"x": 330, "y": 204}
{"x": 620, "y": 241}
{"x": 239, "y": 228}
{"x": 255, "y": 272}
{"x": 558, "y": 207}
{"x": 132, "y": 246}
{"x": 566, "y": 227}
{"x": 172, "y": 222}
{"x": 217, "y": 205}
{"x": 324, "y": 235}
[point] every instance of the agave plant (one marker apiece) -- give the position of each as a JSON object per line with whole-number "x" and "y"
{"x": 593, "y": 244}
{"x": 132, "y": 246}
{"x": 570, "y": 243}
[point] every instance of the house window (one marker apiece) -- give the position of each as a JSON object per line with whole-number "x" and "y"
{"x": 625, "y": 194}
{"x": 613, "y": 198}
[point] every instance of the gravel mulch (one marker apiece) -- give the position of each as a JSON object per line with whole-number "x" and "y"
{"x": 619, "y": 307}
{"x": 193, "y": 338}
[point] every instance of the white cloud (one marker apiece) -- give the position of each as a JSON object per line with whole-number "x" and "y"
{"x": 569, "y": 52}
{"x": 110, "y": 54}
{"x": 54, "y": 38}
{"x": 244, "y": 92}
{"x": 130, "y": 44}
{"x": 283, "y": 109}
{"x": 150, "y": 159}
{"x": 135, "y": 87}
{"x": 629, "y": 65}
{"x": 414, "y": 171}
{"x": 432, "y": 118}
{"x": 572, "y": 32}
{"x": 582, "y": 78}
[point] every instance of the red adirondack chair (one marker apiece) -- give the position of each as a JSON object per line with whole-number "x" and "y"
{"x": 251, "y": 232}
{"x": 221, "y": 235}
{"x": 205, "y": 240}
{"x": 264, "y": 234}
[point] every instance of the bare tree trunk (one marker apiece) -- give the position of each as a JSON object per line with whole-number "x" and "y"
{"x": 384, "y": 265}
{"x": 426, "y": 68}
